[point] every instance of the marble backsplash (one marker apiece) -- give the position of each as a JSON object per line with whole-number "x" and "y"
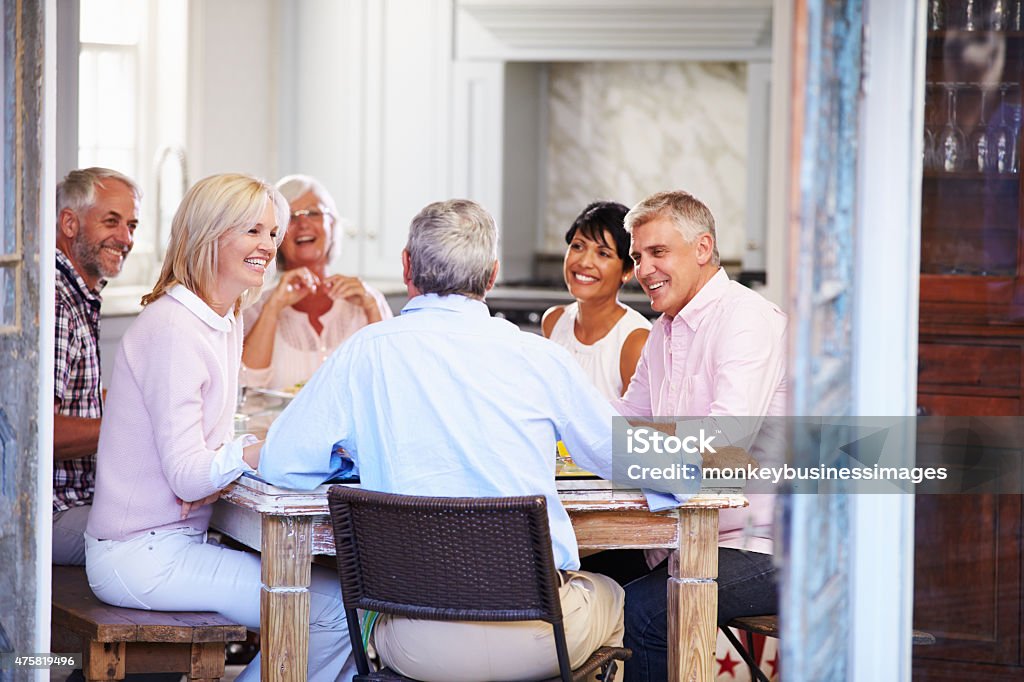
{"x": 624, "y": 130}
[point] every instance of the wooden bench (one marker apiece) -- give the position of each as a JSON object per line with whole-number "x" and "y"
{"x": 115, "y": 641}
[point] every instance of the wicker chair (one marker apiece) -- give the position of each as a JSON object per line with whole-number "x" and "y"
{"x": 450, "y": 559}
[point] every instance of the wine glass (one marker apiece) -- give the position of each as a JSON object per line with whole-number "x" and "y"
{"x": 936, "y": 15}
{"x": 980, "y": 142}
{"x": 998, "y": 15}
{"x": 1004, "y": 142}
{"x": 971, "y": 22}
{"x": 951, "y": 144}
{"x": 928, "y": 143}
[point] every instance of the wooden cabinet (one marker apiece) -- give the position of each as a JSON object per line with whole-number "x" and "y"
{"x": 968, "y": 548}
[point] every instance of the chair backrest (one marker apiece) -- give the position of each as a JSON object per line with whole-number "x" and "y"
{"x": 446, "y": 558}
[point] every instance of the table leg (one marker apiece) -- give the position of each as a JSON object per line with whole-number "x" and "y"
{"x": 284, "y": 600}
{"x": 693, "y": 598}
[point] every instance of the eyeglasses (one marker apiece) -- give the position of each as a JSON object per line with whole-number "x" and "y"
{"x": 311, "y": 213}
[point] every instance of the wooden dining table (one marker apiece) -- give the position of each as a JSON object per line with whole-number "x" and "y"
{"x": 292, "y": 527}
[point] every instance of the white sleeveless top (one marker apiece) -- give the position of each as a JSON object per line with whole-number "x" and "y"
{"x": 600, "y": 360}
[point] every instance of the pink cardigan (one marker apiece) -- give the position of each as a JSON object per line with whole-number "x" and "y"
{"x": 169, "y": 411}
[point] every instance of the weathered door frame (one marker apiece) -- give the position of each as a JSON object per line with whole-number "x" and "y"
{"x": 884, "y": 332}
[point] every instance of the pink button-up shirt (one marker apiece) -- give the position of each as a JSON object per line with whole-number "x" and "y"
{"x": 722, "y": 356}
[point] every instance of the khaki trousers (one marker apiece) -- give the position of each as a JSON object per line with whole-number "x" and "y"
{"x": 435, "y": 651}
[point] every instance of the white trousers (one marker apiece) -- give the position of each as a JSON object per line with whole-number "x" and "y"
{"x": 439, "y": 651}
{"x": 178, "y": 571}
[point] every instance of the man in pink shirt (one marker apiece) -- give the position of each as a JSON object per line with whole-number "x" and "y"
{"x": 716, "y": 352}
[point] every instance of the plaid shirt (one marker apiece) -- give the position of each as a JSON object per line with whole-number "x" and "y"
{"x": 76, "y": 377}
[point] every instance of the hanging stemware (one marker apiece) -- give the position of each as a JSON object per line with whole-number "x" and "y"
{"x": 928, "y": 150}
{"x": 951, "y": 144}
{"x": 971, "y": 16}
{"x": 980, "y": 142}
{"x": 936, "y": 15}
{"x": 998, "y": 15}
{"x": 1004, "y": 143}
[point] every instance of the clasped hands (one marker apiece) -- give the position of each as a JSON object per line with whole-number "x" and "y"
{"x": 188, "y": 507}
{"x": 298, "y": 283}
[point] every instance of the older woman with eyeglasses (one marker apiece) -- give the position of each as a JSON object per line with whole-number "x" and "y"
{"x": 292, "y": 329}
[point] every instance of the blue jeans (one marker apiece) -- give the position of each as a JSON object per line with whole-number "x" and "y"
{"x": 746, "y": 587}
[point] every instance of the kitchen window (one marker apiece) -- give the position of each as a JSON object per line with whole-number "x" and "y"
{"x": 131, "y": 115}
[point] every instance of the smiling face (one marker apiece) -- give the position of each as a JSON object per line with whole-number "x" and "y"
{"x": 105, "y": 232}
{"x": 307, "y": 243}
{"x": 243, "y": 257}
{"x": 592, "y": 269}
{"x": 670, "y": 269}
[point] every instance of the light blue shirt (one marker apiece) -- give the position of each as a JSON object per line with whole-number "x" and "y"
{"x": 446, "y": 400}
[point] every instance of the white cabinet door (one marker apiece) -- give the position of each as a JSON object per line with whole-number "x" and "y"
{"x": 367, "y": 109}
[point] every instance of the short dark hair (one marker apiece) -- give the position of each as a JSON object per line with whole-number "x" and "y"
{"x": 595, "y": 219}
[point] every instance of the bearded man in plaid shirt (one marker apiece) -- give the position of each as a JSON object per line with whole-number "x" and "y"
{"x": 97, "y": 212}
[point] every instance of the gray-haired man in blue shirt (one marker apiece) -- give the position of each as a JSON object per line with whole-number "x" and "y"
{"x": 446, "y": 400}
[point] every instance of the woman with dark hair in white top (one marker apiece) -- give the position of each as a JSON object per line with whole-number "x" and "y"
{"x": 604, "y": 335}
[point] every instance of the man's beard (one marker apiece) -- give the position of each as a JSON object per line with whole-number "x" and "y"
{"x": 89, "y": 256}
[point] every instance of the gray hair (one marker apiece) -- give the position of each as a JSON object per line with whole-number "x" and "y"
{"x": 688, "y": 213}
{"x": 294, "y": 186}
{"x": 77, "y": 191}
{"x": 452, "y": 246}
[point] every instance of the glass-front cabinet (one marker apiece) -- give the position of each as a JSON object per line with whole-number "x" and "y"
{"x": 968, "y": 578}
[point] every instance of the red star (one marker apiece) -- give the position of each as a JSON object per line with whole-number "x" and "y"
{"x": 774, "y": 663}
{"x": 726, "y": 664}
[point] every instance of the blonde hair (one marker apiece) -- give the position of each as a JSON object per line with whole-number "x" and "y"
{"x": 212, "y": 207}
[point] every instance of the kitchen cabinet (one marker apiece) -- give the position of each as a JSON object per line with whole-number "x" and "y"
{"x": 365, "y": 107}
{"x": 968, "y": 548}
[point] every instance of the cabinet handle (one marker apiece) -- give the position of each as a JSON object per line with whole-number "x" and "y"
{"x": 351, "y": 233}
{"x": 371, "y": 235}
{"x": 923, "y": 411}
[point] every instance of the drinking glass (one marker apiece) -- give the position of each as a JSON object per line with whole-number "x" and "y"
{"x": 933, "y": 122}
{"x": 241, "y": 415}
{"x": 951, "y": 144}
{"x": 980, "y": 142}
{"x": 1004, "y": 142}
{"x": 928, "y": 150}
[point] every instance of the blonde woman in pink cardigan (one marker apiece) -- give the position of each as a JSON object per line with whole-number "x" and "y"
{"x": 167, "y": 446}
